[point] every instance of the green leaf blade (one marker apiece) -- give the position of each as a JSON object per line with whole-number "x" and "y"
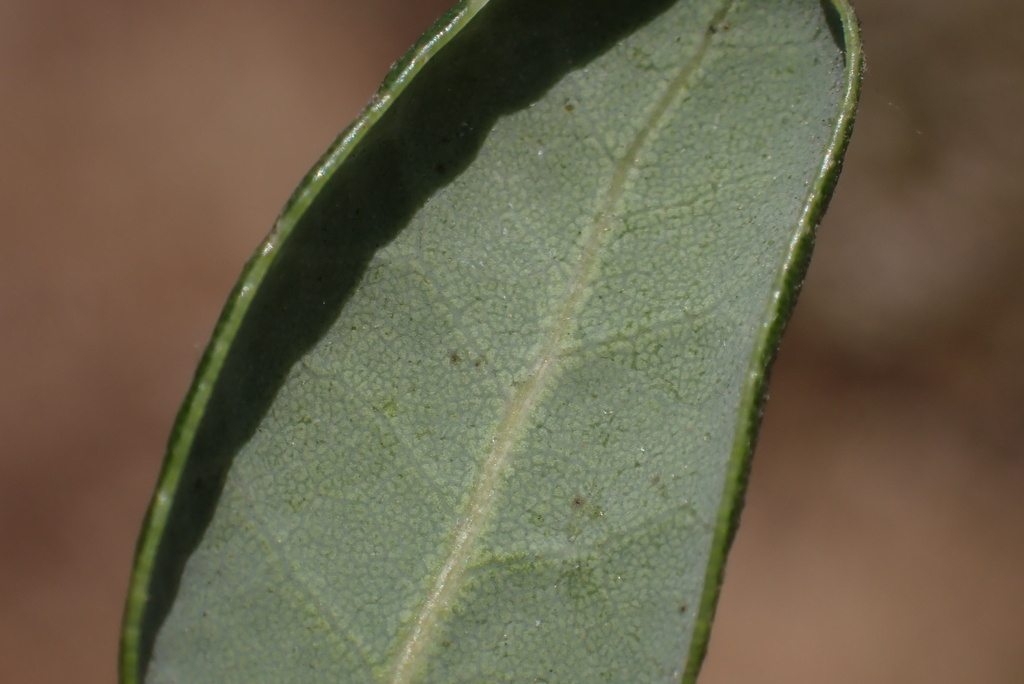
{"x": 482, "y": 407}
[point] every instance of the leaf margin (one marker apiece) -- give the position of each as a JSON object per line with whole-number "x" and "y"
{"x": 788, "y": 283}
{"x": 186, "y": 422}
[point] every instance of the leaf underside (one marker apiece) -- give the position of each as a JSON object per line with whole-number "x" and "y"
{"x": 482, "y": 405}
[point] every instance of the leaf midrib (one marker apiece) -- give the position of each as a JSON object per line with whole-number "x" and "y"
{"x": 449, "y": 579}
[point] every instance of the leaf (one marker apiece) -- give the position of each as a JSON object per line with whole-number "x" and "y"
{"x": 481, "y": 406}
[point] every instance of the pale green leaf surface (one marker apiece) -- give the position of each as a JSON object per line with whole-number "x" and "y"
{"x": 482, "y": 405}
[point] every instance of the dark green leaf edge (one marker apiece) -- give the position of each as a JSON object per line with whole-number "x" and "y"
{"x": 189, "y": 416}
{"x": 846, "y": 30}
{"x": 788, "y": 281}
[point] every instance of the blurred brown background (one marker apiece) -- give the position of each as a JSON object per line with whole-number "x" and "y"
{"x": 145, "y": 148}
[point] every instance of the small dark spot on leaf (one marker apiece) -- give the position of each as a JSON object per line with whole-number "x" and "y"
{"x": 578, "y": 501}
{"x": 569, "y": 107}
{"x": 682, "y": 608}
{"x": 454, "y": 358}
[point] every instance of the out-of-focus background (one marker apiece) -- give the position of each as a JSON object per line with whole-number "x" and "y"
{"x": 145, "y": 149}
